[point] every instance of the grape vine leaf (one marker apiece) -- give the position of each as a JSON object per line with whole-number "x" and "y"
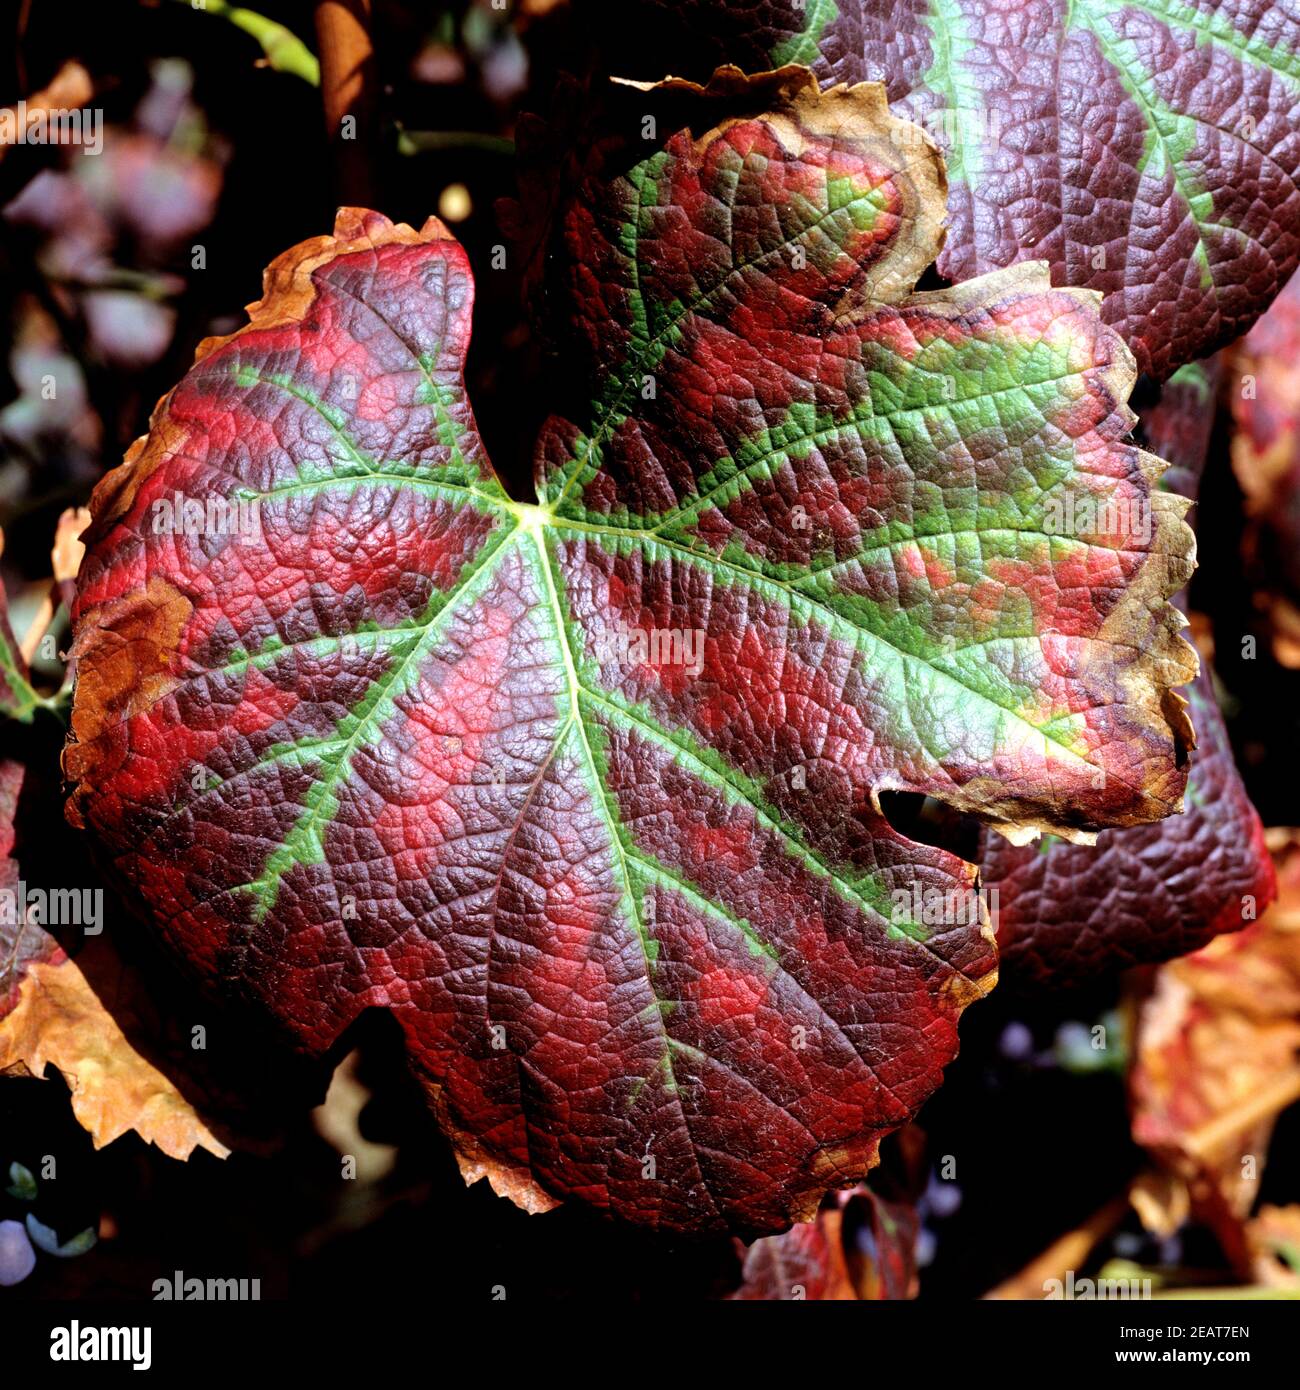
{"x": 1179, "y": 424}
{"x": 1149, "y": 149}
{"x": 585, "y": 791}
{"x": 1069, "y": 913}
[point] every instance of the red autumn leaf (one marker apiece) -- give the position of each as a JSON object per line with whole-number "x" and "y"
{"x": 887, "y": 1239}
{"x": 585, "y": 792}
{"x": 1179, "y": 424}
{"x": 806, "y": 1262}
{"x": 93, "y": 1015}
{"x": 1068, "y": 913}
{"x": 1148, "y": 149}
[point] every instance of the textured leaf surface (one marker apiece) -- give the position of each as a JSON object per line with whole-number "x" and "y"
{"x": 887, "y": 1241}
{"x": 1179, "y": 424}
{"x": 423, "y": 748}
{"x": 1067, "y": 913}
{"x": 1149, "y": 149}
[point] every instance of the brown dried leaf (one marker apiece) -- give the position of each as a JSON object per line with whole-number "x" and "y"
{"x": 1216, "y": 1057}
{"x": 60, "y": 1020}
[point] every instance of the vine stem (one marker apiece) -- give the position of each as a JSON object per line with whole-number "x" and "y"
{"x": 347, "y": 62}
{"x": 1071, "y": 1251}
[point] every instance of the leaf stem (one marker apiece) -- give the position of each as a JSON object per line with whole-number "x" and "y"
{"x": 411, "y": 142}
{"x": 284, "y": 50}
{"x": 1071, "y": 1251}
{"x": 347, "y": 57}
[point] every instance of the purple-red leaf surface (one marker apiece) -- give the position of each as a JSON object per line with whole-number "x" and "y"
{"x": 585, "y": 791}
{"x": 1149, "y": 149}
{"x": 1067, "y": 913}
